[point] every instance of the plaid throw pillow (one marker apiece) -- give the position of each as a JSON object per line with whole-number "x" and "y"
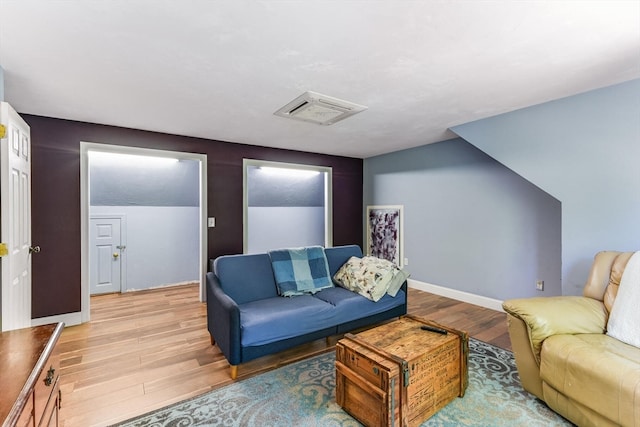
{"x": 300, "y": 271}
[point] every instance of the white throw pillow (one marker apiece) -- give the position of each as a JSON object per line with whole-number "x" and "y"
{"x": 624, "y": 320}
{"x": 370, "y": 277}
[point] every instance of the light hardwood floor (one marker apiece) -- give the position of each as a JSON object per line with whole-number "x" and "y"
{"x": 144, "y": 350}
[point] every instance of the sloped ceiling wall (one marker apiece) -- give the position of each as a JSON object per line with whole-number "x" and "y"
{"x": 584, "y": 151}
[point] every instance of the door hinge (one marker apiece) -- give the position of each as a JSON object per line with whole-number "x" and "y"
{"x": 3, "y": 131}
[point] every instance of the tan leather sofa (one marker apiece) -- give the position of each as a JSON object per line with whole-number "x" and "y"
{"x": 565, "y": 358}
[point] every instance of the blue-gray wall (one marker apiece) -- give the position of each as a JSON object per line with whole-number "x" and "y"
{"x": 160, "y": 203}
{"x": 585, "y": 151}
{"x": 470, "y": 224}
{"x": 269, "y": 190}
{"x": 135, "y": 184}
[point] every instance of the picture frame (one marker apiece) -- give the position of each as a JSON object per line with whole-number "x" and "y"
{"x": 384, "y": 233}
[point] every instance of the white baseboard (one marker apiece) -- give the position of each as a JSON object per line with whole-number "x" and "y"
{"x": 491, "y": 303}
{"x": 69, "y": 319}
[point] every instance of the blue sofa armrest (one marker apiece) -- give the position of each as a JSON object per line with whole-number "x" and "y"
{"x": 223, "y": 320}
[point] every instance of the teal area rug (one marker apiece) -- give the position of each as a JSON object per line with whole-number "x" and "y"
{"x": 303, "y": 394}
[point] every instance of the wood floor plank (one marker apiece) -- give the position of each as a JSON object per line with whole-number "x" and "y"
{"x": 147, "y": 349}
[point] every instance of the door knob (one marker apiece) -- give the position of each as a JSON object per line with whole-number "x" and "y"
{"x": 116, "y": 254}
{"x": 34, "y": 249}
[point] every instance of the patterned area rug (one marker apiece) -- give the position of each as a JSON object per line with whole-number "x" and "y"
{"x": 302, "y": 394}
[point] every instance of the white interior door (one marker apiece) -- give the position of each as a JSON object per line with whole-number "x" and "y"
{"x": 106, "y": 255}
{"x": 15, "y": 219}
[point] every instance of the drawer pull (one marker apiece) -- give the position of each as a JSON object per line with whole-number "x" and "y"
{"x": 50, "y": 373}
{"x": 376, "y": 370}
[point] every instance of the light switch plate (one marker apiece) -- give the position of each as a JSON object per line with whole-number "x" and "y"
{"x": 211, "y": 222}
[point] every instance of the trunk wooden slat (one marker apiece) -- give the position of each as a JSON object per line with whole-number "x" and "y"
{"x": 398, "y": 374}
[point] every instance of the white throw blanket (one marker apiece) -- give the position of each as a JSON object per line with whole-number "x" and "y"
{"x": 624, "y": 320}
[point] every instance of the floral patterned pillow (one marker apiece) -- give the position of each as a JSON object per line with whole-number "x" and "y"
{"x": 370, "y": 277}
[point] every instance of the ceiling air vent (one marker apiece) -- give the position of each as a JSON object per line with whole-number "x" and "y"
{"x": 317, "y": 108}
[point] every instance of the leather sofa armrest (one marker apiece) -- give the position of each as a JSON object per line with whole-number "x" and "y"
{"x": 528, "y": 367}
{"x": 223, "y": 320}
{"x": 547, "y": 316}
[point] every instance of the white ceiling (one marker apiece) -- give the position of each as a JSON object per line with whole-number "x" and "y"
{"x": 220, "y": 69}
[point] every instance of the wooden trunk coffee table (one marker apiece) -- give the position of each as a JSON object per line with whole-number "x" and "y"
{"x": 400, "y": 373}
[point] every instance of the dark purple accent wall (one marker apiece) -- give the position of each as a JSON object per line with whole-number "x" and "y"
{"x": 56, "y": 197}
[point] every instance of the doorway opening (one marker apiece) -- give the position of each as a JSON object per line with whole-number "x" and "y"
{"x": 114, "y": 192}
{"x": 286, "y": 205}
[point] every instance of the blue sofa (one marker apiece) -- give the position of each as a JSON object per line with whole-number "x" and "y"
{"x": 247, "y": 318}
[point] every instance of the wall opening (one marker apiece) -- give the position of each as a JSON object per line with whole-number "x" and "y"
{"x": 161, "y": 196}
{"x": 286, "y": 205}
{"x": 153, "y": 204}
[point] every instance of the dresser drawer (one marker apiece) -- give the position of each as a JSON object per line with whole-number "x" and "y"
{"x": 26, "y": 417}
{"x": 50, "y": 414}
{"x": 47, "y": 386}
{"x": 29, "y": 376}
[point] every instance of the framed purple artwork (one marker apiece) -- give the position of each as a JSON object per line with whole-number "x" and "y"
{"x": 384, "y": 233}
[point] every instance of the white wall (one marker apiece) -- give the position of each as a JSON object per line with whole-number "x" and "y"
{"x": 1, "y": 84}
{"x": 162, "y": 244}
{"x": 285, "y": 227}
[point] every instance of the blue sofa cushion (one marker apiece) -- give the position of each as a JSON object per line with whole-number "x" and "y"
{"x": 276, "y": 319}
{"x": 245, "y": 277}
{"x": 351, "y": 306}
{"x": 338, "y": 255}
{"x": 300, "y": 270}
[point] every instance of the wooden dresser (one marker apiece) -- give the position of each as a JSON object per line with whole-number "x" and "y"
{"x": 29, "y": 376}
